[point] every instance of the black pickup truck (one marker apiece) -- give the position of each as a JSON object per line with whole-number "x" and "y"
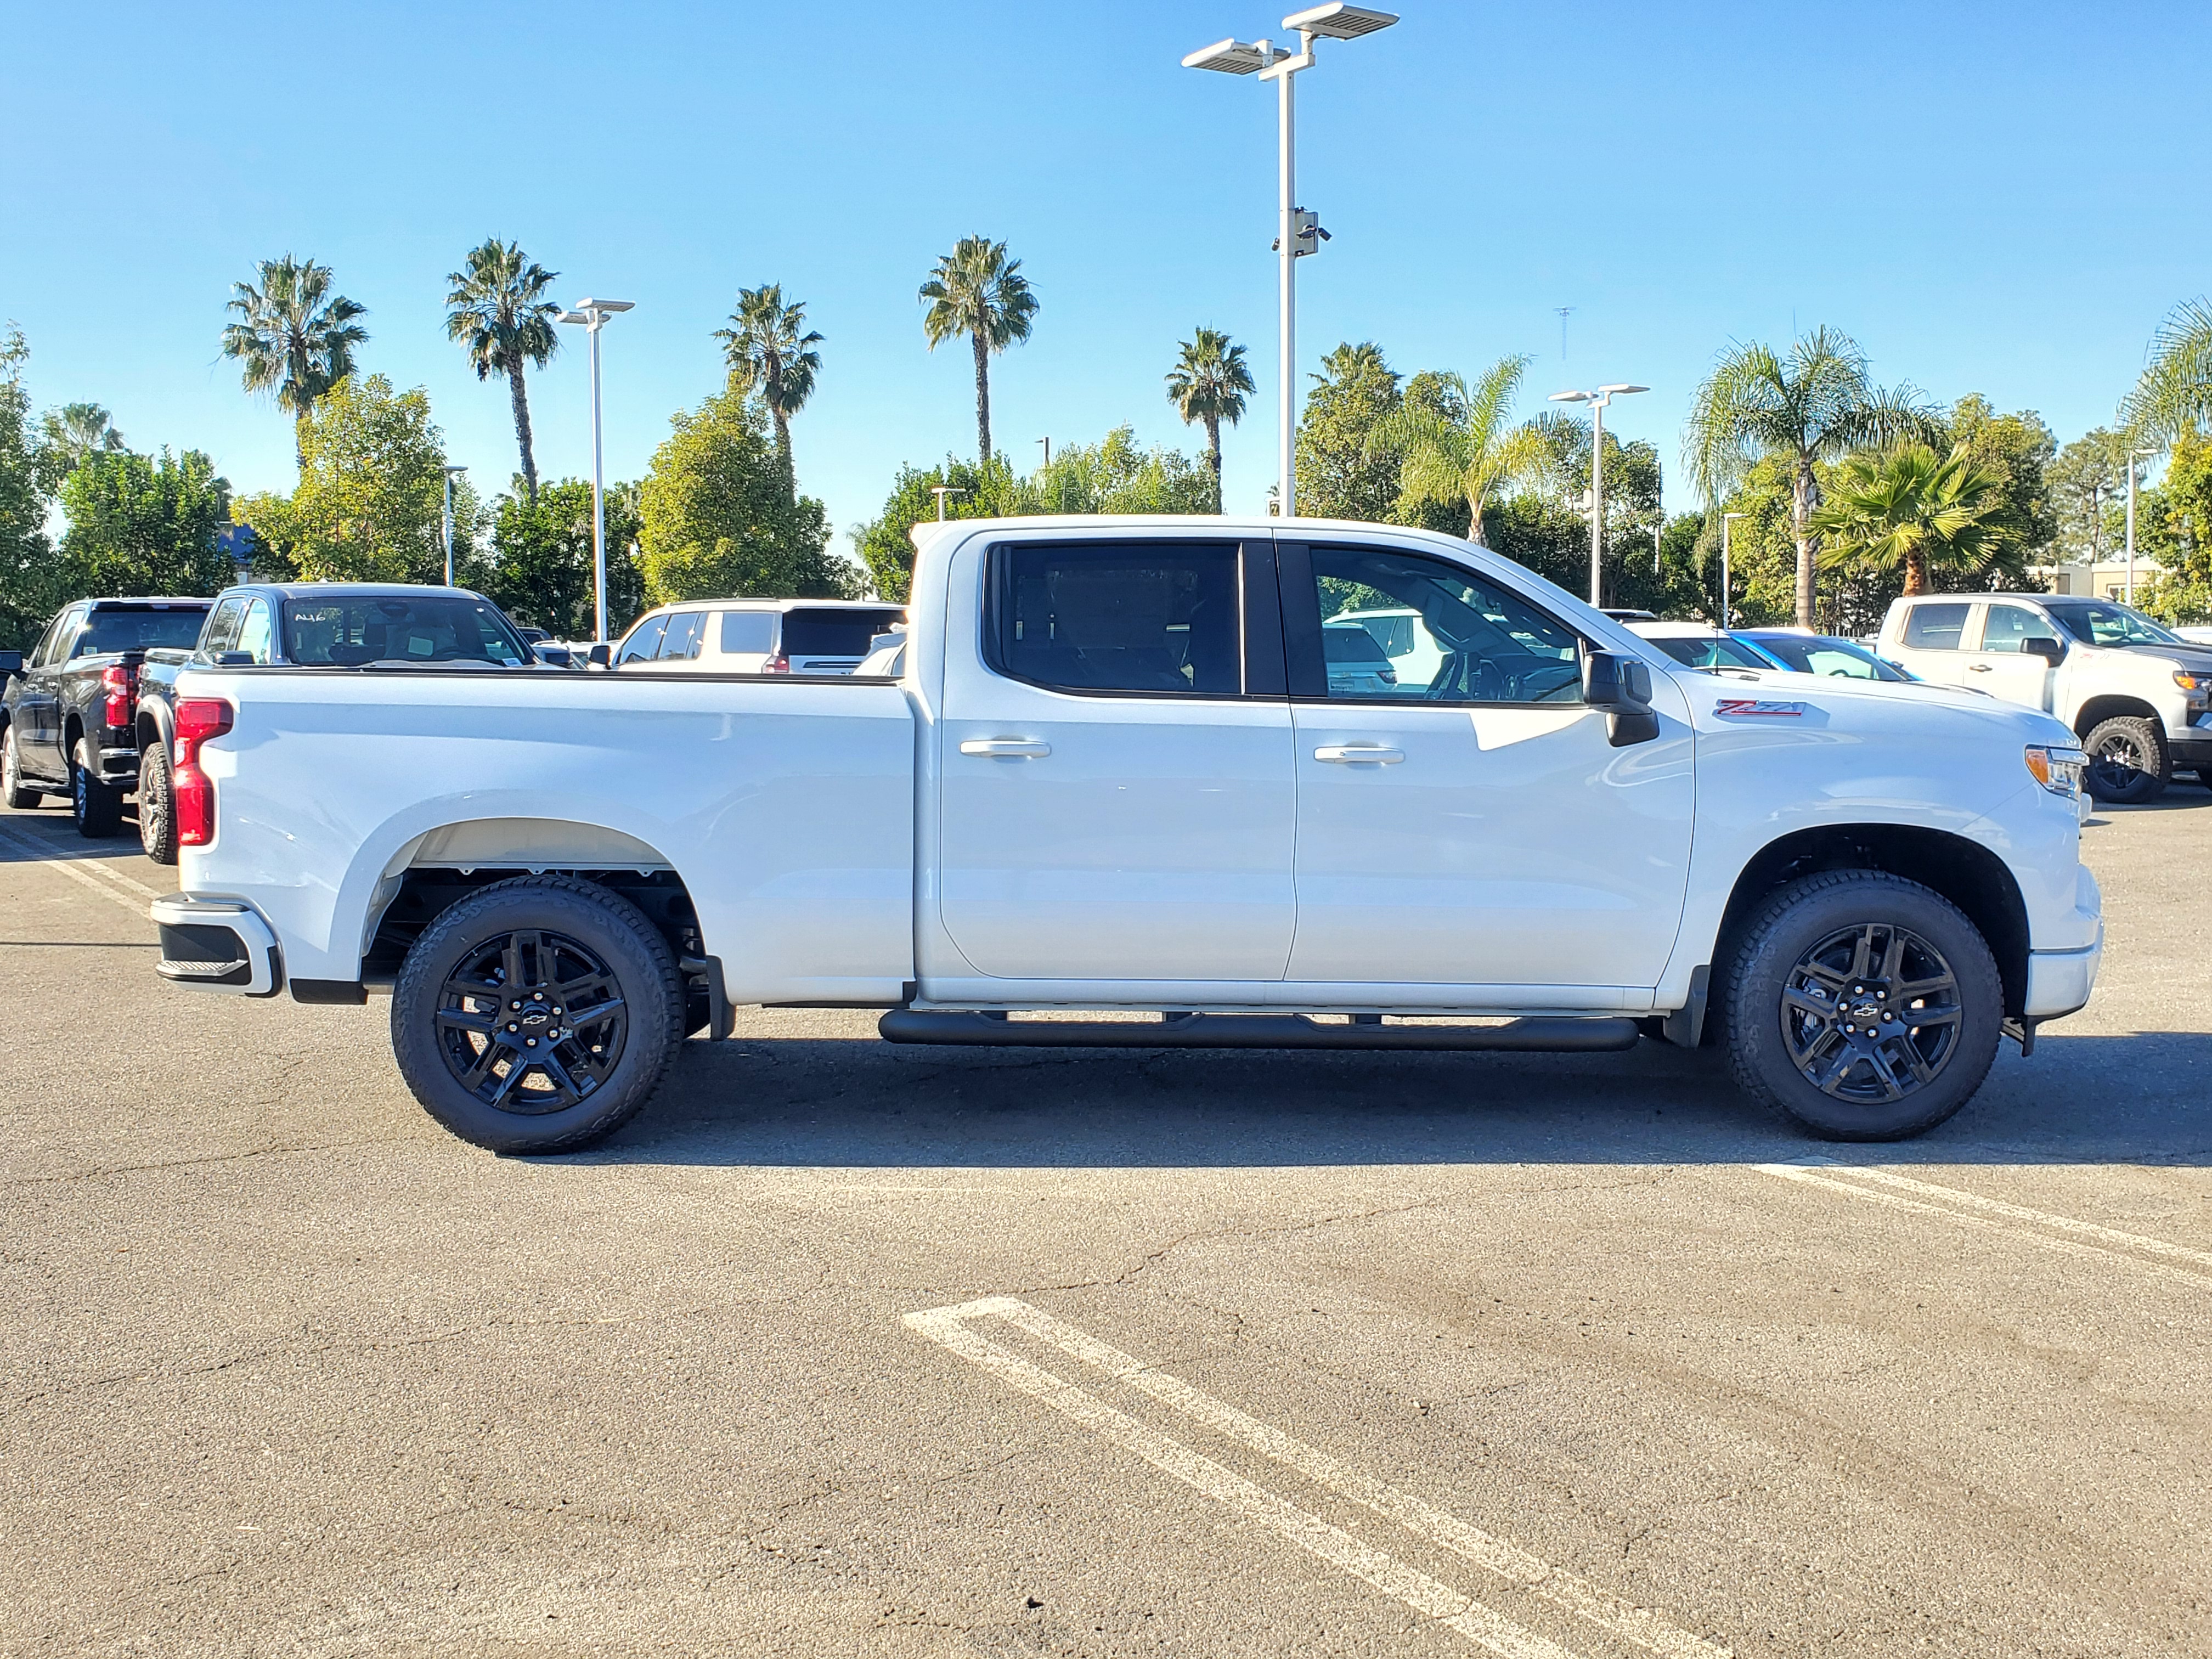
{"x": 69, "y": 720}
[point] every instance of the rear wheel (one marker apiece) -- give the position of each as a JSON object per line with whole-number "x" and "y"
{"x": 2129, "y": 764}
{"x": 12, "y": 789}
{"x": 1863, "y": 1005}
{"x": 96, "y": 806}
{"x": 157, "y": 810}
{"x": 537, "y": 1015}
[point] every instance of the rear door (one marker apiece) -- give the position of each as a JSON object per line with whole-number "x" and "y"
{"x": 1931, "y": 640}
{"x": 1114, "y": 766}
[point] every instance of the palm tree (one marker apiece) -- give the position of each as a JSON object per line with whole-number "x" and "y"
{"x": 294, "y": 337}
{"x": 1816, "y": 404}
{"x": 498, "y": 312}
{"x": 767, "y": 354}
{"x": 977, "y": 291}
{"x": 1910, "y": 507}
{"x": 1208, "y": 384}
{"x": 76, "y": 431}
{"x": 1459, "y": 445}
{"x": 2174, "y": 394}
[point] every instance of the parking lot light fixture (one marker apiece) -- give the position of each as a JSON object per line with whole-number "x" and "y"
{"x": 1727, "y": 518}
{"x": 1297, "y": 232}
{"x": 448, "y": 522}
{"x": 1598, "y": 402}
{"x": 592, "y": 316}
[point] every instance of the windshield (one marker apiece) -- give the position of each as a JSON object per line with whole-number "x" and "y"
{"x": 1814, "y": 653}
{"x": 2106, "y": 623}
{"x": 177, "y": 629}
{"x": 1710, "y": 651}
{"x": 349, "y": 631}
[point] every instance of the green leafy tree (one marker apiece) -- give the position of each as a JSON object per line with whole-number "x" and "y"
{"x": 294, "y": 337}
{"x": 717, "y": 522}
{"x": 1342, "y": 472}
{"x": 1818, "y": 403}
{"x": 1462, "y": 444}
{"x": 2087, "y": 483}
{"x": 884, "y": 544}
{"x": 76, "y": 432}
{"x": 496, "y": 310}
{"x": 2173, "y": 394}
{"x": 1116, "y": 475}
{"x": 2016, "y": 451}
{"x": 977, "y": 291}
{"x": 2178, "y": 515}
{"x": 1208, "y": 384}
{"x": 139, "y": 524}
{"x": 771, "y": 358}
{"x": 1910, "y": 508}
{"x": 541, "y": 570}
{"x": 32, "y": 587}
{"x": 370, "y": 502}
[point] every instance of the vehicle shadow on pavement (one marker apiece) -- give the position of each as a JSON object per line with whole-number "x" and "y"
{"x": 776, "y": 1103}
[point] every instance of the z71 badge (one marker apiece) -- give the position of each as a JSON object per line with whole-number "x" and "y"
{"x": 1760, "y": 708}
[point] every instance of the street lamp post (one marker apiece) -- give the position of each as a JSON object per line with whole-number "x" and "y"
{"x": 448, "y": 522}
{"x": 941, "y": 491}
{"x": 2133, "y": 454}
{"x": 1598, "y": 401}
{"x": 592, "y": 314}
{"x": 1297, "y": 232}
{"x": 1727, "y": 518}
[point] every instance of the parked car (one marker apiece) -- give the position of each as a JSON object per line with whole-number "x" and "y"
{"x": 1701, "y": 645}
{"x": 1114, "y": 774}
{"x": 756, "y": 636}
{"x": 366, "y": 625}
{"x": 1824, "y": 654}
{"x": 2137, "y": 695}
{"x": 69, "y": 716}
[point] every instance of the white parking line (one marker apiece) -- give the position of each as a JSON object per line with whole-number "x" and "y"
{"x": 117, "y": 886}
{"x": 1484, "y": 1626}
{"x": 1966, "y": 1208}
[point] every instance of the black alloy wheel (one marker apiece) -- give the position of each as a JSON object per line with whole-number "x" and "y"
{"x": 532, "y": 1022}
{"x": 96, "y": 806}
{"x": 157, "y": 813}
{"x": 2127, "y": 763}
{"x": 12, "y": 789}
{"x": 1871, "y": 1014}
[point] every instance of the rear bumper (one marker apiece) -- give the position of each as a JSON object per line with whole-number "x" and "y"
{"x": 217, "y": 944}
{"x": 119, "y": 766}
{"x": 2059, "y": 981}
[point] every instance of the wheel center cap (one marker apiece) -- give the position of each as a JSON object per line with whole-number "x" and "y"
{"x": 1866, "y": 1012}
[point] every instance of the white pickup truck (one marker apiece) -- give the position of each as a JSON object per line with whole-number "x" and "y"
{"x": 1119, "y": 772}
{"x": 2137, "y": 695}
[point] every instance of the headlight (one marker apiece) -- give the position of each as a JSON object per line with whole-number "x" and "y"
{"x": 2197, "y": 685}
{"x": 2057, "y": 769}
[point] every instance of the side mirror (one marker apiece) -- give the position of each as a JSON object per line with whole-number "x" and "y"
{"x": 2048, "y": 650}
{"x": 1621, "y": 685}
{"x": 601, "y": 654}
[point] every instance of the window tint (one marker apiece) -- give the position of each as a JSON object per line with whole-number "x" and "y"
{"x": 1457, "y": 637}
{"x": 644, "y": 640}
{"x": 749, "y": 631}
{"x": 1935, "y": 627}
{"x": 358, "y": 629}
{"x": 2110, "y": 624}
{"x": 833, "y": 633}
{"x": 1159, "y": 618}
{"x": 139, "y": 629}
{"x": 1710, "y": 651}
{"x": 2004, "y": 626}
{"x": 253, "y": 633}
{"x": 220, "y": 633}
{"x": 681, "y": 642}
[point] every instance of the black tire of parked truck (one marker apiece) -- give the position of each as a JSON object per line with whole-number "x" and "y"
{"x": 96, "y": 806}
{"x": 1863, "y": 1005}
{"x": 12, "y": 789}
{"x": 157, "y": 807}
{"x": 2129, "y": 761}
{"x": 538, "y": 1015}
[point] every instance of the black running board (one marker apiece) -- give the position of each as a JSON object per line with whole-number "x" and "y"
{"x": 1250, "y": 1032}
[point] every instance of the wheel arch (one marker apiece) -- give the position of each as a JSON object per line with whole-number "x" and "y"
{"x": 1962, "y": 870}
{"x": 2112, "y": 705}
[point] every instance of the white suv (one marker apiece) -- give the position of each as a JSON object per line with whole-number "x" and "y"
{"x": 2137, "y": 694}
{"x": 757, "y": 636}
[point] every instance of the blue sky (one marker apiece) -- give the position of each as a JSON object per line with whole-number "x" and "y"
{"x": 2001, "y": 198}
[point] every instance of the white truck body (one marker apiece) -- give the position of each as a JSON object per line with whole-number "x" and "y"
{"x": 968, "y": 837}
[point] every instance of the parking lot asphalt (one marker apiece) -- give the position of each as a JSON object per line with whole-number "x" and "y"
{"x": 849, "y": 1349}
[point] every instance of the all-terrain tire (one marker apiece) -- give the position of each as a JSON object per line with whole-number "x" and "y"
{"x": 564, "y": 925}
{"x": 2129, "y": 761}
{"x": 1784, "y": 1027}
{"x": 97, "y": 807}
{"x": 157, "y": 806}
{"x": 12, "y": 789}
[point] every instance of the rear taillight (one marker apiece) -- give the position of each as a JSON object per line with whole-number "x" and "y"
{"x": 191, "y": 789}
{"x": 779, "y": 664}
{"x": 118, "y": 682}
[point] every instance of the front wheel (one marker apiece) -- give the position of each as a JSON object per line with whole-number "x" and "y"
{"x": 2129, "y": 764}
{"x": 537, "y": 1015}
{"x": 1863, "y": 1005}
{"x": 97, "y": 807}
{"x": 13, "y": 790}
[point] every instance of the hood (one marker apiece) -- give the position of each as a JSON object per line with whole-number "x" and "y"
{"x": 1834, "y": 694}
{"x": 2197, "y": 659}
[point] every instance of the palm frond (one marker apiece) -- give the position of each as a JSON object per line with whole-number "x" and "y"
{"x": 2174, "y": 392}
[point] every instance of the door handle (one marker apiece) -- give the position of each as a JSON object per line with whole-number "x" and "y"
{"x": 1358, "y": 754}
{"x": 1978, "y": 668}
{"x": 1006, "y": 748}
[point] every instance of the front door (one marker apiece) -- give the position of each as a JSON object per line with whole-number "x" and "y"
{"x": 1114, "y": 776}
{"x": 38, "y": 746}
{"x": 2002, "y": 667}
{"x": 1466, "y": 823}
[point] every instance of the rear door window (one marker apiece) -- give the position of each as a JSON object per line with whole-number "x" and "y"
{"x": 1159, "y": 618}
{"x": 749, "y": 631}
{"x": 681, "y": 642}
{"x": 1936, "y": 626}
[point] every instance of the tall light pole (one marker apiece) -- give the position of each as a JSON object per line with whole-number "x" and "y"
{"x": 2132, "y": 456}
{"x": 448, "y": 522}
{"x": 1727, "y": 518}
{"x": 592, "y": 314}
{"x": 1297, "y": 232}
{"x": 941, "y": 491}
{"x": 1598, "y": 401}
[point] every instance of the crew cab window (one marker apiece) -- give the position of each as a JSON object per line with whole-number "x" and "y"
{"x": 50, "y": 647}
{"x": 356, "y": 629}
{"x": 221, "y": 634}
{"x": 253, "y": 634}
{"x": 1488, "y": 645}
{"x": 644, "y": 640}
{"x": 1157, "y": 617}
{"x": 2005, "y": 626}
{"x": 681, "y": 642}
{"x": 1936, "y": 626}
{"x": 748, "y": 631}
